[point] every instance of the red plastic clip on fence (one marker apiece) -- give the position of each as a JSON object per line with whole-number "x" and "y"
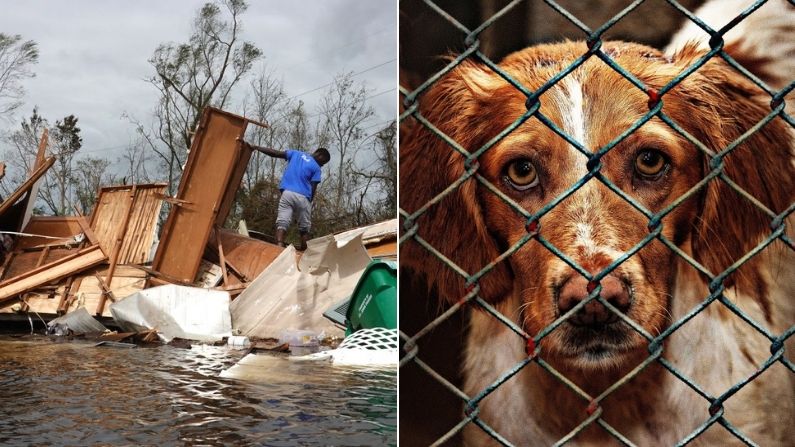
{"x": 654, "y": 98}
{"x": 530, "y": 347}
{"x": 592, "y": 407}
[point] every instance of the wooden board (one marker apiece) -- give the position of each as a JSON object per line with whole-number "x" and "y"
{"x": 41, "y": 303}
{"x": 25, "y": 262}
{"x": 127, "y": 213}
{"x": 90, "y": 290}
{"x": 383, "y": 249}
{"x": 126, "y": 281}
{"x": 77, "y": 262}
{"x": 212, "y": 175}
{"x": 246, "y": 255}
{"x": 31, "y": 197}
{"x": 27, "y": 186}
{"x": 63, "y": 227}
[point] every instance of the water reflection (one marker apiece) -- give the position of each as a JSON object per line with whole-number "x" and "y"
{"x": 73, "y": 393}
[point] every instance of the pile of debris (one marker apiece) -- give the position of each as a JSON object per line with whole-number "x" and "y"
{"x": 196, "y": 280}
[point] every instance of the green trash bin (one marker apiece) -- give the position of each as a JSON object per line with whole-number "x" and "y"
{"x": 374, "y": 300}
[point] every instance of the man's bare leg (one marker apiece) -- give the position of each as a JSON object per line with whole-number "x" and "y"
{"x": 280, "y": 237}
{"x": 304, "y": 237}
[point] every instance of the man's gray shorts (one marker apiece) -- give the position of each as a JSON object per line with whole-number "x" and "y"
{"x": 292, "y": 202}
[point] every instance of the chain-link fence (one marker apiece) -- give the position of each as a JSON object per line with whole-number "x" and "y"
{"x": 425, "y": 224}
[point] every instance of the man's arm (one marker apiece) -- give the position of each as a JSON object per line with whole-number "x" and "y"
{"x": 265, "y": 150}
{"x": 314, "y": 188}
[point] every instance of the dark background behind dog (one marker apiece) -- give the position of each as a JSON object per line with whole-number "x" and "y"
{"x": 427, "y": 409}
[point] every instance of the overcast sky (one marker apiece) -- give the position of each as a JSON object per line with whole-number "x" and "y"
{"x": 93, "y": 55}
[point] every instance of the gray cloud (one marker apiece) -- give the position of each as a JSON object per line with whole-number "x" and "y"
{"x": 94, "y": 54}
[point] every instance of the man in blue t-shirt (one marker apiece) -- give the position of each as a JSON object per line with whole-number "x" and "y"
{"x": 298, "y": 186}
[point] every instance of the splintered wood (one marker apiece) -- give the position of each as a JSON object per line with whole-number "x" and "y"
{"x": 51, "y": 269}
{"x": 58, "y": 264}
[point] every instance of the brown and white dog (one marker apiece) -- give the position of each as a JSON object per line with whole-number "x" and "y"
{"x": 593, "y": 226}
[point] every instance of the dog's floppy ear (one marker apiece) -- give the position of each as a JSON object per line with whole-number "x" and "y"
{"x": 455, "y": 224}
{"x": 730, "y": 225}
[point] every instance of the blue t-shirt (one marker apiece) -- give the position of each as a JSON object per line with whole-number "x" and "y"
{"x": 302, "y": 170}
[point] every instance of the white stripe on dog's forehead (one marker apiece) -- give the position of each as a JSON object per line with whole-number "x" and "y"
{"x": 572, "y": 110}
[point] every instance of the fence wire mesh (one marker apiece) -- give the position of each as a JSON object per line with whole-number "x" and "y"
{"x": 411, "y": 354}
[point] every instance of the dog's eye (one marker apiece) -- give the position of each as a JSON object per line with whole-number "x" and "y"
{"x": 522, "y": 175}
{"x": 650, "y": 163}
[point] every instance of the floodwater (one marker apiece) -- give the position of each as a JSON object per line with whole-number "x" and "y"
{"x": 74, "y": 393}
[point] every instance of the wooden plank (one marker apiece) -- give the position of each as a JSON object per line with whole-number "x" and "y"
{"x": 247, "y": 256}
{"x": 162, "y": 278}
{"x": 106, "y": 293}
{"x": 236, "y": 271}
{"x": 30, "y": 198}
{"x": 43, "y": 256}
{"x": 41, "y": 153}
{"x": 61, "y": 268}
{"x": 64, "y": 294}
{"x": 383, "y": 249}
{"x": 128, "y": 213}
{"x": 85, "y": 227}
{"x": 213, "y": 172}
{"x": 127, "y": 271}
{"x": 173, "y": 201}
{"x": 222, "y": 263}
{"x": 117, "y": 245}
{"x": 27, "y": 186}
{"x": 6, "y": 263}
{"x": 137, "y": 244}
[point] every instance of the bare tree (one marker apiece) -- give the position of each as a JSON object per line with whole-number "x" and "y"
{"x": 21, "y": 155}
{"x": 269, "y": 98}
{"x": 343, "y": 110}
{"x": 89, "y": 175}
{"x": 383, "y": 173}
{"x": 196, "y": 74}
{"x": 16, "y": 57}
{"x": 135, "y": 160}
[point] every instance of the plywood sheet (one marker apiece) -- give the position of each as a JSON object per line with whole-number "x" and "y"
{"x": 215, "y": 166}
{"x": 127, "y": 215}
{"x": 246, "y": 255}
{"x": 63, "y": 227}
{"x": 28, "y": 261}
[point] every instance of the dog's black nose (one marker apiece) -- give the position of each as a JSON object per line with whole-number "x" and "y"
{"x": 594, "y": 313}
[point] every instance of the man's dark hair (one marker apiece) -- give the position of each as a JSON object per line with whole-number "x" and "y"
{"x": 322, "y": 151}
